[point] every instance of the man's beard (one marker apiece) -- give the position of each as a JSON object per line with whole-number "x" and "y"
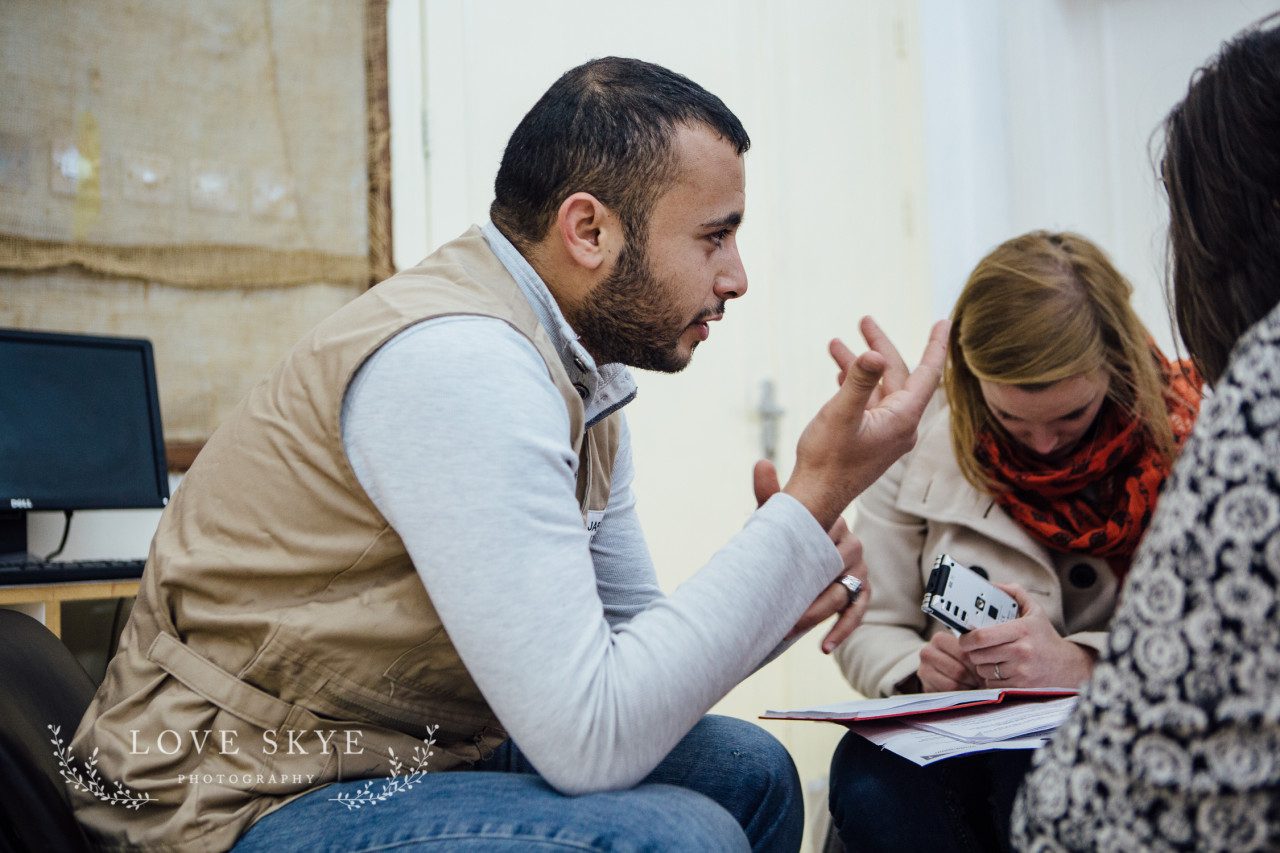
{"x": 629, "y": 318}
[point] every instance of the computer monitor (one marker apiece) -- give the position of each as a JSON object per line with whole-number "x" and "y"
{"x": 79, "y": 427}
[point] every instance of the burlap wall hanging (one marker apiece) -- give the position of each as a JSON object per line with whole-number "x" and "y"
{"x": 209, "y": 174}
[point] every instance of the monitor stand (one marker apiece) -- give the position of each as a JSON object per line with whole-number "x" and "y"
{"x": 13, "y": 535}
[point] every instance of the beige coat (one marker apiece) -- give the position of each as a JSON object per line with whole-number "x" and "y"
{"x": 277, "y": 599}
{"x": 922, "y": 507}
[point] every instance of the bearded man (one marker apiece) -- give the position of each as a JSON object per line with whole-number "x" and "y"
{"x": 421, "y": 526}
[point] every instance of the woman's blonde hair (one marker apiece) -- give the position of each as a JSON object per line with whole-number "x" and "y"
{"x": 1038, "y": 309}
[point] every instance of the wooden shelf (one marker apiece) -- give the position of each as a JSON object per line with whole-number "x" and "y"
{"x": 51, "y": 595}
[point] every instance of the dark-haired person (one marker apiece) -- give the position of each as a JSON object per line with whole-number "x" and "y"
{"x": 421, "y": 526}
{"x": 1041, "y": 471}
{"x": 1175, "y": 743}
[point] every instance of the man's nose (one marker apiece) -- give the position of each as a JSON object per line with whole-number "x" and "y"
{"x": 731, "y": 282}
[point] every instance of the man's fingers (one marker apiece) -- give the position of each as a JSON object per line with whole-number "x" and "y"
{"x": 829, "y": 601}
{"x": 890, "y": 370}
{"x": 842, "y": 355}
{"x": 764, "y": 479}
{"x": 860, "y": 383}
{"x": 924, "y": 379}
{"x": 850, "y": 548}
{"x": 935, "y": 350}
{"x": 896, "y": 372}
{"x": 834, "y": 600}
{"x": 850, "y": 619}
{"x": 871, "y": 362}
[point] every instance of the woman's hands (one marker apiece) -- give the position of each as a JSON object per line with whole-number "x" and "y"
{"x": 1026, "y": 652}
{"x": 943, "y": 666}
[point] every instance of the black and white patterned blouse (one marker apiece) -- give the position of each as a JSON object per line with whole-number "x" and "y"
{"x": 1175, "y": 743}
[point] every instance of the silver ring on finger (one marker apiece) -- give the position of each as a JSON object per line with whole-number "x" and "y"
{"x": 852, "y": 585}
{"x": 998, "y": 676}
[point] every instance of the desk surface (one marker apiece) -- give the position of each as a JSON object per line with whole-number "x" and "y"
{"x": 53, "y": 594}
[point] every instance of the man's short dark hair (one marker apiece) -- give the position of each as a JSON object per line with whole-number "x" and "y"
{"x": 605, "y": 128}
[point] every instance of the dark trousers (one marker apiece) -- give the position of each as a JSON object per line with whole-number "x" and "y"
{"x": 881, "y": 801}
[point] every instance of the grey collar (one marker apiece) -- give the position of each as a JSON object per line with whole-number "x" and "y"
{"x": 603, "y": 389}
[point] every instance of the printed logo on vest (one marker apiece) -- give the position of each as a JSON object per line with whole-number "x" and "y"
{"x": 595, "y": 517}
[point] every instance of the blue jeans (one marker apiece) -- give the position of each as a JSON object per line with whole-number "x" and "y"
{"x": 882, "y": 801}
{"x": 728, "y": 785}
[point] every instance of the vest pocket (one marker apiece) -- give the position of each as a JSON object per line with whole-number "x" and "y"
{"x": 427, "y": 685}
{"x": 319, "y": 750}
{"x": 265, "y": 764}
{"x": 269, "y": 747}
{"x": 431, "y": 667}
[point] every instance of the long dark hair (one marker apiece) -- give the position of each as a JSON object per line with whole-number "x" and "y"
{"x": 1221, "y": 170}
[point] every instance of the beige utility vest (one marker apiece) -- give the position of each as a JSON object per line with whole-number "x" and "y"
{"x": 277, "y": 601}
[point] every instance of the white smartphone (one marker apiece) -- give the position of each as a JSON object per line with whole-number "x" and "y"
{"x": 962, "y": 599}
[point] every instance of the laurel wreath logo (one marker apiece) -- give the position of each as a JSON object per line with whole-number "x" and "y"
{"x": 401, "y": 778}
{"x": 88, "y": 781}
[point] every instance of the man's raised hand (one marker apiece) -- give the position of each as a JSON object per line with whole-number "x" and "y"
{"x": 867, "y": 425}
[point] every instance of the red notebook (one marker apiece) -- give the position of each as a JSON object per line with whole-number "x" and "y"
{"x": 913, "y": 704}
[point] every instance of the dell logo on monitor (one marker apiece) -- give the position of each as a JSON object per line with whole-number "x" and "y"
{"x": 20, "y": 503}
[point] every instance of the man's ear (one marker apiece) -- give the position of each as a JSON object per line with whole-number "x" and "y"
{"x": 589, "y": 231}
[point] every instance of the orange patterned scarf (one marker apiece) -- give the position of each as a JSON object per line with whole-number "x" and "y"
{"x": 1098, "y": 500}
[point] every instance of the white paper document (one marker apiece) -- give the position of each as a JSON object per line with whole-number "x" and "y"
{"x": 1003, "y": 722}
{"x": 924, "y": 728}
{"x": 925, "y": 747}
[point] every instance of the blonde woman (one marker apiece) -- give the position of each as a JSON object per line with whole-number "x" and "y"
{"x": 1040, "y": 469}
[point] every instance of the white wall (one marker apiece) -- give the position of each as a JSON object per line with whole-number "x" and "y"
{"x": 1038, "y": 115}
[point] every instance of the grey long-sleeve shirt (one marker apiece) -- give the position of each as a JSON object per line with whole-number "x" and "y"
{"x": 459, "y": 437}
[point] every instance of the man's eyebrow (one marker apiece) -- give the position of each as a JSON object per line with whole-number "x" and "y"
{"x": 731, "y": 220}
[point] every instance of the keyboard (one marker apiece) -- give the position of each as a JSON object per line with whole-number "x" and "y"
{"x": 14, "y": 573}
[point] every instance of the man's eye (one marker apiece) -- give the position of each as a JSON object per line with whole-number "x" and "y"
{"x": 719, "y": 237}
